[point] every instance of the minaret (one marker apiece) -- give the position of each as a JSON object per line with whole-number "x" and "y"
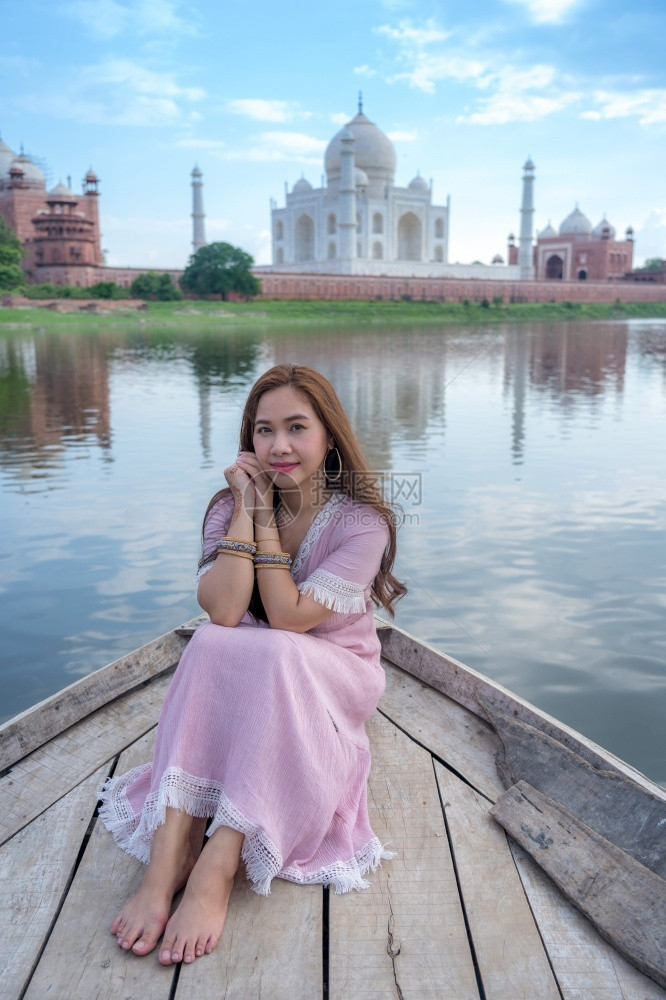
{"x": 198, "y": 231}
{"x": 347, "y": 218}
{"x": 525, "y": 253}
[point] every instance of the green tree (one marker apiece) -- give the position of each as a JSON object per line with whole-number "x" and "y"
{"x": 652, "y": 264}
{"x": 154, "y": 286}
{"x": 12, "y": 277}
{"x": 220, "y": 268}
{"x": 103, "y": 290}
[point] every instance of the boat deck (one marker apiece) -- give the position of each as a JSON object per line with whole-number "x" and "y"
{"x": 461, "y": 913}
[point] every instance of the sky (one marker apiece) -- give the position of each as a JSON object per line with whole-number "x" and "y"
{"x": 252, "y": 92}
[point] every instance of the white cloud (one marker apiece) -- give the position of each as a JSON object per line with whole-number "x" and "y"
{"x": 503, "y": 108}
{"x": 649, "y": 106}
{"x": 365, "y": 70}
{"x": 269, "y": 147}
{"x": 548, "y": 11}
{"x": 428, "y": 69}
{"x": 266, "y": 110}
{"x": 116, "y": 92}
{"x": 340, "y": 118}
{"x": 407, "y": 33}
{"x": 517, "y": 96}
{"x": 106, "y": 19}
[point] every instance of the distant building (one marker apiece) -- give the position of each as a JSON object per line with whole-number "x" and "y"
{"x": 575, "y": 252}
{"x": 58, "y": 229}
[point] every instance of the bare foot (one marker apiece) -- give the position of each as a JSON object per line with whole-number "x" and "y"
{"x": 142, "y": 920}
{"x": 196, "y": 926}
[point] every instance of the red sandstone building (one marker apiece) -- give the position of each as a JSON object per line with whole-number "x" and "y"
{"x": 58, "y": 229}
{"x": 577, "y": 252}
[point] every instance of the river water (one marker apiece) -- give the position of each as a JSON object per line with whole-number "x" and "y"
{"x": 529, "y": 461}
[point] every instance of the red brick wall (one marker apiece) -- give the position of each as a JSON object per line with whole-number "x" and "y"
{"x": 317, "y": 286}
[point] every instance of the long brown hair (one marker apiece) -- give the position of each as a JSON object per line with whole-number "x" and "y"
{"x": 355, "y": 479}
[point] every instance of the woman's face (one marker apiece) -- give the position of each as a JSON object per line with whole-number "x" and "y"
{"x": 289, "y": 439}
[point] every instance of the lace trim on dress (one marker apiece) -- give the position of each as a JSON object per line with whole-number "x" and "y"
{"x": 313, "y": 533}
{"x": 333, "y": 592}
{"x": 204, "y": 797}
{"x": 204, "y": 569}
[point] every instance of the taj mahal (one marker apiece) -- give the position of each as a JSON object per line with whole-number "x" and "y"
{"x": 360, "y": 221}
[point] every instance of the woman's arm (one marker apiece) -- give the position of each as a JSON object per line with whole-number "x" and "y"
{"x": 286, "y": 608}
{"x": 225, "y": 590}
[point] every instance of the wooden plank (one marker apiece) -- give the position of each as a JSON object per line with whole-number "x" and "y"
{"x": 620, "y": 810}
{"x": 271, "y": 947}
{"x": 472, "y": 689}
{"x": 32, "y": 728}
{"x": 512, "y": 961}
{"x": 35, "y": 867}
{"x": 47, "y": 774}
{"x": 624, "y": 900}
{"x": 82, "y": 960}
{"x": 586, "y": 967}
{"x": 405, "y": 937}
{"x": 467, "y": 743}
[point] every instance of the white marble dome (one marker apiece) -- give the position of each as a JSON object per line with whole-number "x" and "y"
{"x": 419, "y": 184}
{"x": 62, "y": 190}
{"x": 32, "y": 175}
{"x": 547, "y": 233}
{"x": 301, "y": 186}
{"x": 576, "y": 224}
{"x": 604, "y": 230}
{"x": 7, "y": 156}
{"x": 373, "y": 150}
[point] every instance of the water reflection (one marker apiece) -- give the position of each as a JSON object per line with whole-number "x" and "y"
{"x": 531, "y": 547}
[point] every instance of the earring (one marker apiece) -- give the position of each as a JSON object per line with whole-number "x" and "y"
{"x": 331, "y": 478}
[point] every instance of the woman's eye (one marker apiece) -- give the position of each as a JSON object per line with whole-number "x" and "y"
{"x": 297, "y": 427}
{"x": 260, "y": 430}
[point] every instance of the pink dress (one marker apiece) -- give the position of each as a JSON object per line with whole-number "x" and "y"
{"x": 263, "y": 729}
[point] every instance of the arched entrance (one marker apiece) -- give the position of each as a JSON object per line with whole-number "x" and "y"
{"x": 582, "y": 274}
{"x": 409, "y": 237}
{"x": 554, "y": 268}
{"x": 304, "y": 248}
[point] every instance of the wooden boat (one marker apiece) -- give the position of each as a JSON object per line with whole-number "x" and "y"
{"x": 463, "y": 912}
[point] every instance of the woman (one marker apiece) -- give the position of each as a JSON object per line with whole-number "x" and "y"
{"x": 262, "y": 730}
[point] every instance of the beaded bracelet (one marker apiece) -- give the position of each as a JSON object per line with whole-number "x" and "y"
{"x": 271, "y": 538}
{"x": 272, "y": 566}
{"x": 226, "y": 544}
{"x": 272, "y": 559}
{"x": 234, "y": 552}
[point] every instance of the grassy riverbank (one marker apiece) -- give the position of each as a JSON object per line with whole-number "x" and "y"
{"x": 289, "y": 313}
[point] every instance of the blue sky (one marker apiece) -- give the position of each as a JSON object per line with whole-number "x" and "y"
{"x": 141, "y": 90}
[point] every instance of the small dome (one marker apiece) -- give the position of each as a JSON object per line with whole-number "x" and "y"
{"x": 360, "y": 177}
{"x": 604, "y": 230}
{"x": 576, "y": 224}
{"x": 62, "y": 189}
{"x": 195, "y": 173}
{"x": 7, "y": 155}
{"x": 92, "y": 178}
{"x": 547, "y": 233}
{"x": 32, "y": 175}
{"x": 497, "y": 259}
{"x": 301, "y": 186}
{"x": 419, "y": 184}
{"x": 373, "y": 150}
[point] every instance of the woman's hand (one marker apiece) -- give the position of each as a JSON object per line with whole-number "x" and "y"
{"x": 260, "y": 493}
{"x": 242, "y": 490}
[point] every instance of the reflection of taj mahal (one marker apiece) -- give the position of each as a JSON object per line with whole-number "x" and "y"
{"x": 360, "y": 222}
